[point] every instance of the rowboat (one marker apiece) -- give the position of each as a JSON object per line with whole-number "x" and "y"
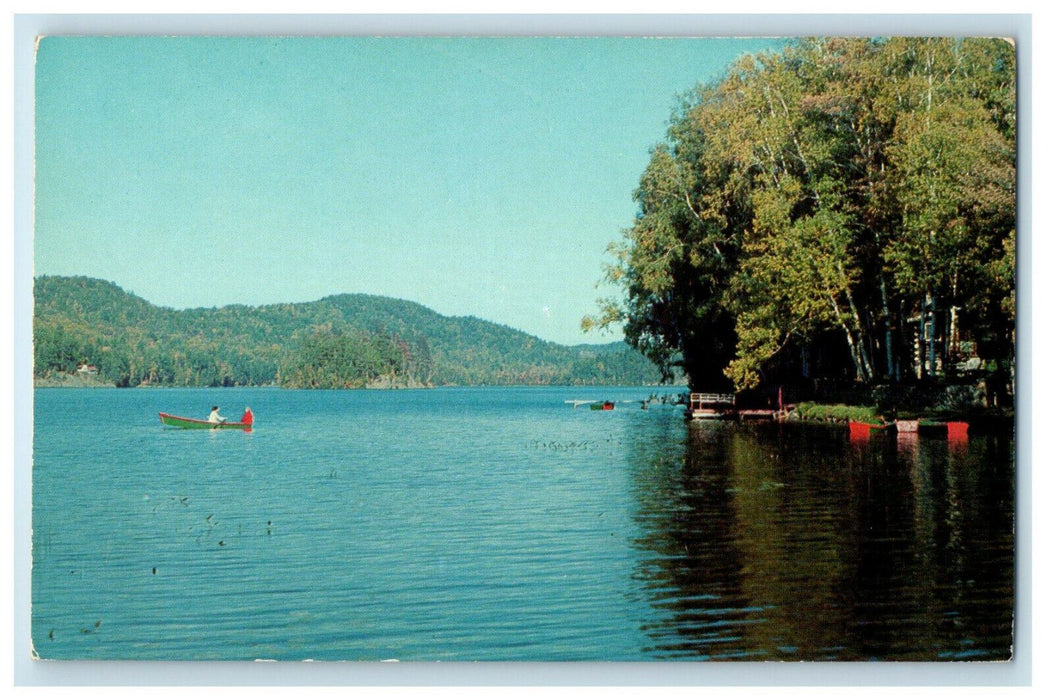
{"x": 181, "y": 422}
{"x": 593, "y": 405}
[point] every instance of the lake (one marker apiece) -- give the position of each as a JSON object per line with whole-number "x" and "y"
{"x": 502, "y": 524}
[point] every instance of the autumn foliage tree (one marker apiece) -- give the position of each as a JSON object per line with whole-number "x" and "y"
{"x": 844, "y": 206}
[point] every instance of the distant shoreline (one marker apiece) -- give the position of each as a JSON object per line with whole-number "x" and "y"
{"x": 72, "y": 381}
{"x": 346, "y": 340}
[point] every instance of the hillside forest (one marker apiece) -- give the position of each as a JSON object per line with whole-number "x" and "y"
{"x": 84, "y": 326}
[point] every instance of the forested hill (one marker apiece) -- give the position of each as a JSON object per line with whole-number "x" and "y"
{"x": 349, "y": 340}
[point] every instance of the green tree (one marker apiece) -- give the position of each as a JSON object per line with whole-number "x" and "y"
{"x": 850, "y": 186}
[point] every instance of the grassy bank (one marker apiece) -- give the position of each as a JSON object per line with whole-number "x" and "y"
{"x": 834, "y": 413}
{"x": 977, "y": 418}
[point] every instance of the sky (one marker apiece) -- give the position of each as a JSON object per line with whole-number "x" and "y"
{"x": 476, "y": 176}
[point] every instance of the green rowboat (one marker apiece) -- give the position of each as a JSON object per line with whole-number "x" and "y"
{"x": 180, "y": 422}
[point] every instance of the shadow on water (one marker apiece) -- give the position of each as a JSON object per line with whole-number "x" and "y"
{"x": 788, "y": 542}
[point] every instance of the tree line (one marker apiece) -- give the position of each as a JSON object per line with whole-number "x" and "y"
{"x": 343, "y": 341}
{"x": 842, "y": 209}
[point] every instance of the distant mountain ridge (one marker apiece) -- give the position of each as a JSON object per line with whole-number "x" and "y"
{"x": 88, "y": 325}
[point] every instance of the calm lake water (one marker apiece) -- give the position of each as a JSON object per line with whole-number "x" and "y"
{"x": 502, "y": 524}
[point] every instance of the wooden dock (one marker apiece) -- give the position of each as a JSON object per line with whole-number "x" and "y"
{"x": 722, "y": 407}
{"x": 711, "y": 406}
{"x": 756, "y": 414}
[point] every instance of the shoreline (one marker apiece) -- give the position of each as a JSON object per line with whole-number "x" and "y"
{"x": 70, "y": 382}
{"x": 813, "y": 413}
{"x": 841, "y": 414}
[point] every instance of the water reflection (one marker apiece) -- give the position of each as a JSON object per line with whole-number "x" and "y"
{"x": 770, "y": 542}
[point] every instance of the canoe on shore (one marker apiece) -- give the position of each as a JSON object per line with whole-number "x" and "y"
{"x": 956, "y": 431}
{"x": 181, "y": 422}
{"x": 860, "y": 430}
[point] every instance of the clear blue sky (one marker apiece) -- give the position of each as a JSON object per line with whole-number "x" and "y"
{"x": 475, "y": 176}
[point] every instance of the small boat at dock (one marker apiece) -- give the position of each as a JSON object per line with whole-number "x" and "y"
{"x": 951, "y": 428}
{"x": 956, "y": 431}
{"x": 859, "y": 430}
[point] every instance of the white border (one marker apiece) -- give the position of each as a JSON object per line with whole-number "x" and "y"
{"x": 29, "y": 673}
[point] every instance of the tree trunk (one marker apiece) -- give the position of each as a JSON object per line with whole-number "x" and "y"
{"x": 930, "y": 300}
{"x": 864, "y": 355}
{"x": 853, "y": 347}
{"x": 890, "y": 363}
{"x": 953, "y": 344}
{"x": 919, "y": 346}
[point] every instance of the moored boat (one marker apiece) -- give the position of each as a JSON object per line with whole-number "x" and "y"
{"x": 859, "y": 430}
{"x": 593, "y": 405}
{"x": 188, "y": 423}
{"x": 957, "y": 431}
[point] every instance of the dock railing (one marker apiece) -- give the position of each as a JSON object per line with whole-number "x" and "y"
{"x": 699, "y": 400}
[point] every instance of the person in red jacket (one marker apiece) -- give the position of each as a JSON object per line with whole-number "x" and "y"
{"x": 246, "y": 417}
